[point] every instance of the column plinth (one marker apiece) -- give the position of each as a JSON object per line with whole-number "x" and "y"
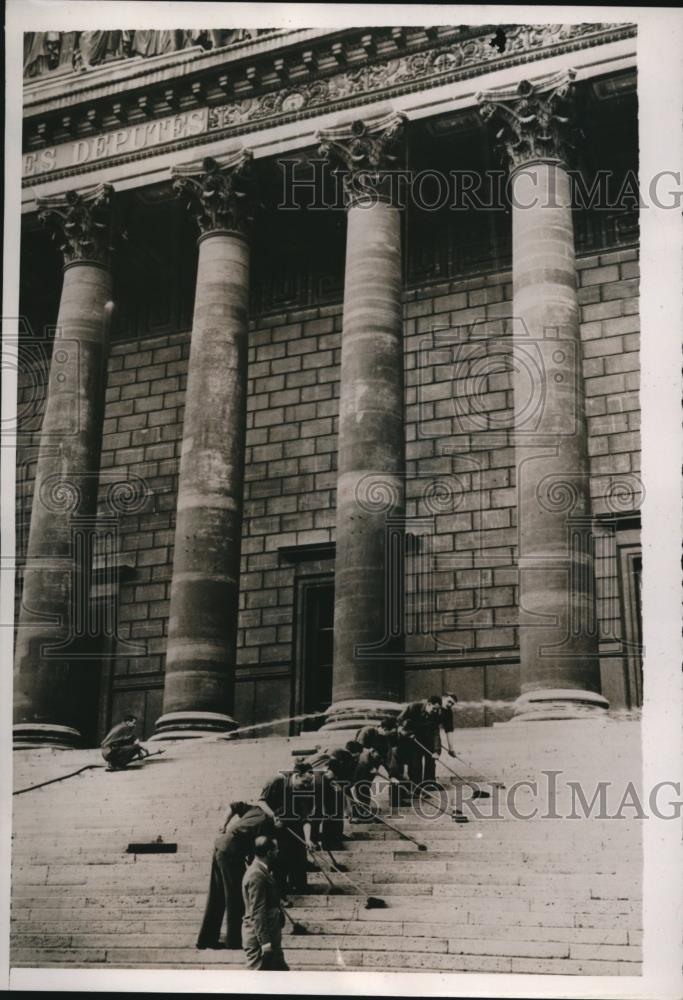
{"x": 368, "y": 666}
{"x": 560, "y": 674}
{"x": 202, "y": 633}
{"x": 55, "y": 595}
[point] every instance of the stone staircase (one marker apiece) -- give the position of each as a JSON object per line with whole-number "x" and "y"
{"x": 495, "y": 894}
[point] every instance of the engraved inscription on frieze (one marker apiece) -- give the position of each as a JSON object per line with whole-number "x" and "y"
{"x": 131, "y": 139}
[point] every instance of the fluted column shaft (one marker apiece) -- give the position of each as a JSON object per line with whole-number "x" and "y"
{"x": 368, "y": 668}
{"x": 202, "y": 639}
{"x": 57, "y": 574}
{"x": 560, "y": 675}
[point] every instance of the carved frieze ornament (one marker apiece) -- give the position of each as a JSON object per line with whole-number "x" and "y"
{"x": 534, "y": 119}
{"x": 219, "y": 195}
{"x": 80, "y": 223}
{"x": 365, "y": 152}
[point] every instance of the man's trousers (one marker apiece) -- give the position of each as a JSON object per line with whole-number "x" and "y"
{"x": 224, "y": 899}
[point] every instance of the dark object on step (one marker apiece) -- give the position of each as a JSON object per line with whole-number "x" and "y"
{"x": 297, "y": 928}
{"x": 155, "y": 847}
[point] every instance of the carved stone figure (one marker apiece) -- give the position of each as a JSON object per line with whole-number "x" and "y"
{"x": 48, "y": 50}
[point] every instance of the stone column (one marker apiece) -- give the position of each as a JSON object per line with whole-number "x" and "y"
{"x": 202, "y": 636}
{"x": 560, "y": 674}
{"x": 57, "y": 575}
{"x": 368, "y": 667}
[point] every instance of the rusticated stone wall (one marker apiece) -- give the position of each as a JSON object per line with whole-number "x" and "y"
{"x": 460, "y": 474}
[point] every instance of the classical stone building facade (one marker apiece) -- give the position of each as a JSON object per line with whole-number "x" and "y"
{"x": 297, "y": 449}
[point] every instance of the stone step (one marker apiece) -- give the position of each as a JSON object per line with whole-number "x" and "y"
{"x": 484, "y": 896}
{"x": 449, "y": 927}
{"x": 442, "y": 940}
{"x": 300, "y": 957}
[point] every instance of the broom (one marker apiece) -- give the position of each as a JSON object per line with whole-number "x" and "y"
{"x": 297, "y": 928}
{"x": 385, "y": 822}
{"x": 371, "y": 902}
{"x": 478, "y": 793}
{"x": 458, "y": 817}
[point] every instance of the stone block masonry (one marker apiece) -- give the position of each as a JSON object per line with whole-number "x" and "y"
{"x": 460, "y": 476}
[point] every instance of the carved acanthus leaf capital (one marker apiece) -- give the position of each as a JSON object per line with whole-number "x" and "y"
{"x": 80, "y": 223}
{"x": 534, "y": 119}
{"x": 370, "y": 149}
{"x": 219, "y": 195}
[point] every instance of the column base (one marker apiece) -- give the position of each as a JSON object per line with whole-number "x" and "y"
{"x": 559, "y": 703}
{"x": 191, "y": 725}
{"x": 34, "y": 735}
{"x": 353, "y": 713}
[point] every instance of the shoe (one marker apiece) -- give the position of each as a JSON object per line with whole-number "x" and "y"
{"x": 214, "y": 946}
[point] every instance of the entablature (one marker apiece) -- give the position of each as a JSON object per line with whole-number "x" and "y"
{"x": 150, "y": 121}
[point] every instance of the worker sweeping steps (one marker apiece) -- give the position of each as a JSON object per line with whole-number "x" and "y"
{"x": 265, "y": 849}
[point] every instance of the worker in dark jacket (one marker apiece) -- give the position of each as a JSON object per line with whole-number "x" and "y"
{"x": 263, "y": 917}
{"x": 288, "y": 798}
{"x": 333, "y": 771}
{"x": 384, "y": 739}
{"x": 448, "y": 703}
{"x": 420, "y": 726}
{"x": 233, "y": 812}
{"x": 231, "y": 850}
{"x": 120, "y": 746}
{"x": 367, "y": 768}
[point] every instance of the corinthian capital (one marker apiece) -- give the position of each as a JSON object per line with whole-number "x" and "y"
{"x": 532, "y": 118}
{"x": 367, "y": 150}
{"x": 80, "y": 223}
{"x": 218, "y": 195}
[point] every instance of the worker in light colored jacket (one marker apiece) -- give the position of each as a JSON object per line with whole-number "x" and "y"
{"x": 263, "y": 916}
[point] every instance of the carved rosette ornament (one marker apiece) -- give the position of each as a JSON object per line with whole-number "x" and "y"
{"x": 534, "y": 119}
{"x": 219, "y": 195}
{"x": 365, "y": 152}
{"x": 80, "y": 224}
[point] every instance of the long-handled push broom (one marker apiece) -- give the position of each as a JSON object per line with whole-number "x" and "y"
{"x": 371, "y": 902}
{"x": 478, "y": 793}
{"x": 380, "y": 819}
{"x": 297, "y": 928}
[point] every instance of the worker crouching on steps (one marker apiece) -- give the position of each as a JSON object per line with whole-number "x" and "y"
{"x": 121, "y": 746}
{"x": 263, "y": 916}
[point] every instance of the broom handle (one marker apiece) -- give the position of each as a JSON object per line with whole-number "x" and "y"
{"x": 432, "y": 754}
{"x": 401, "y": 833}
{"x": 345, "y": 876}
{"x": 313, "y": 859}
